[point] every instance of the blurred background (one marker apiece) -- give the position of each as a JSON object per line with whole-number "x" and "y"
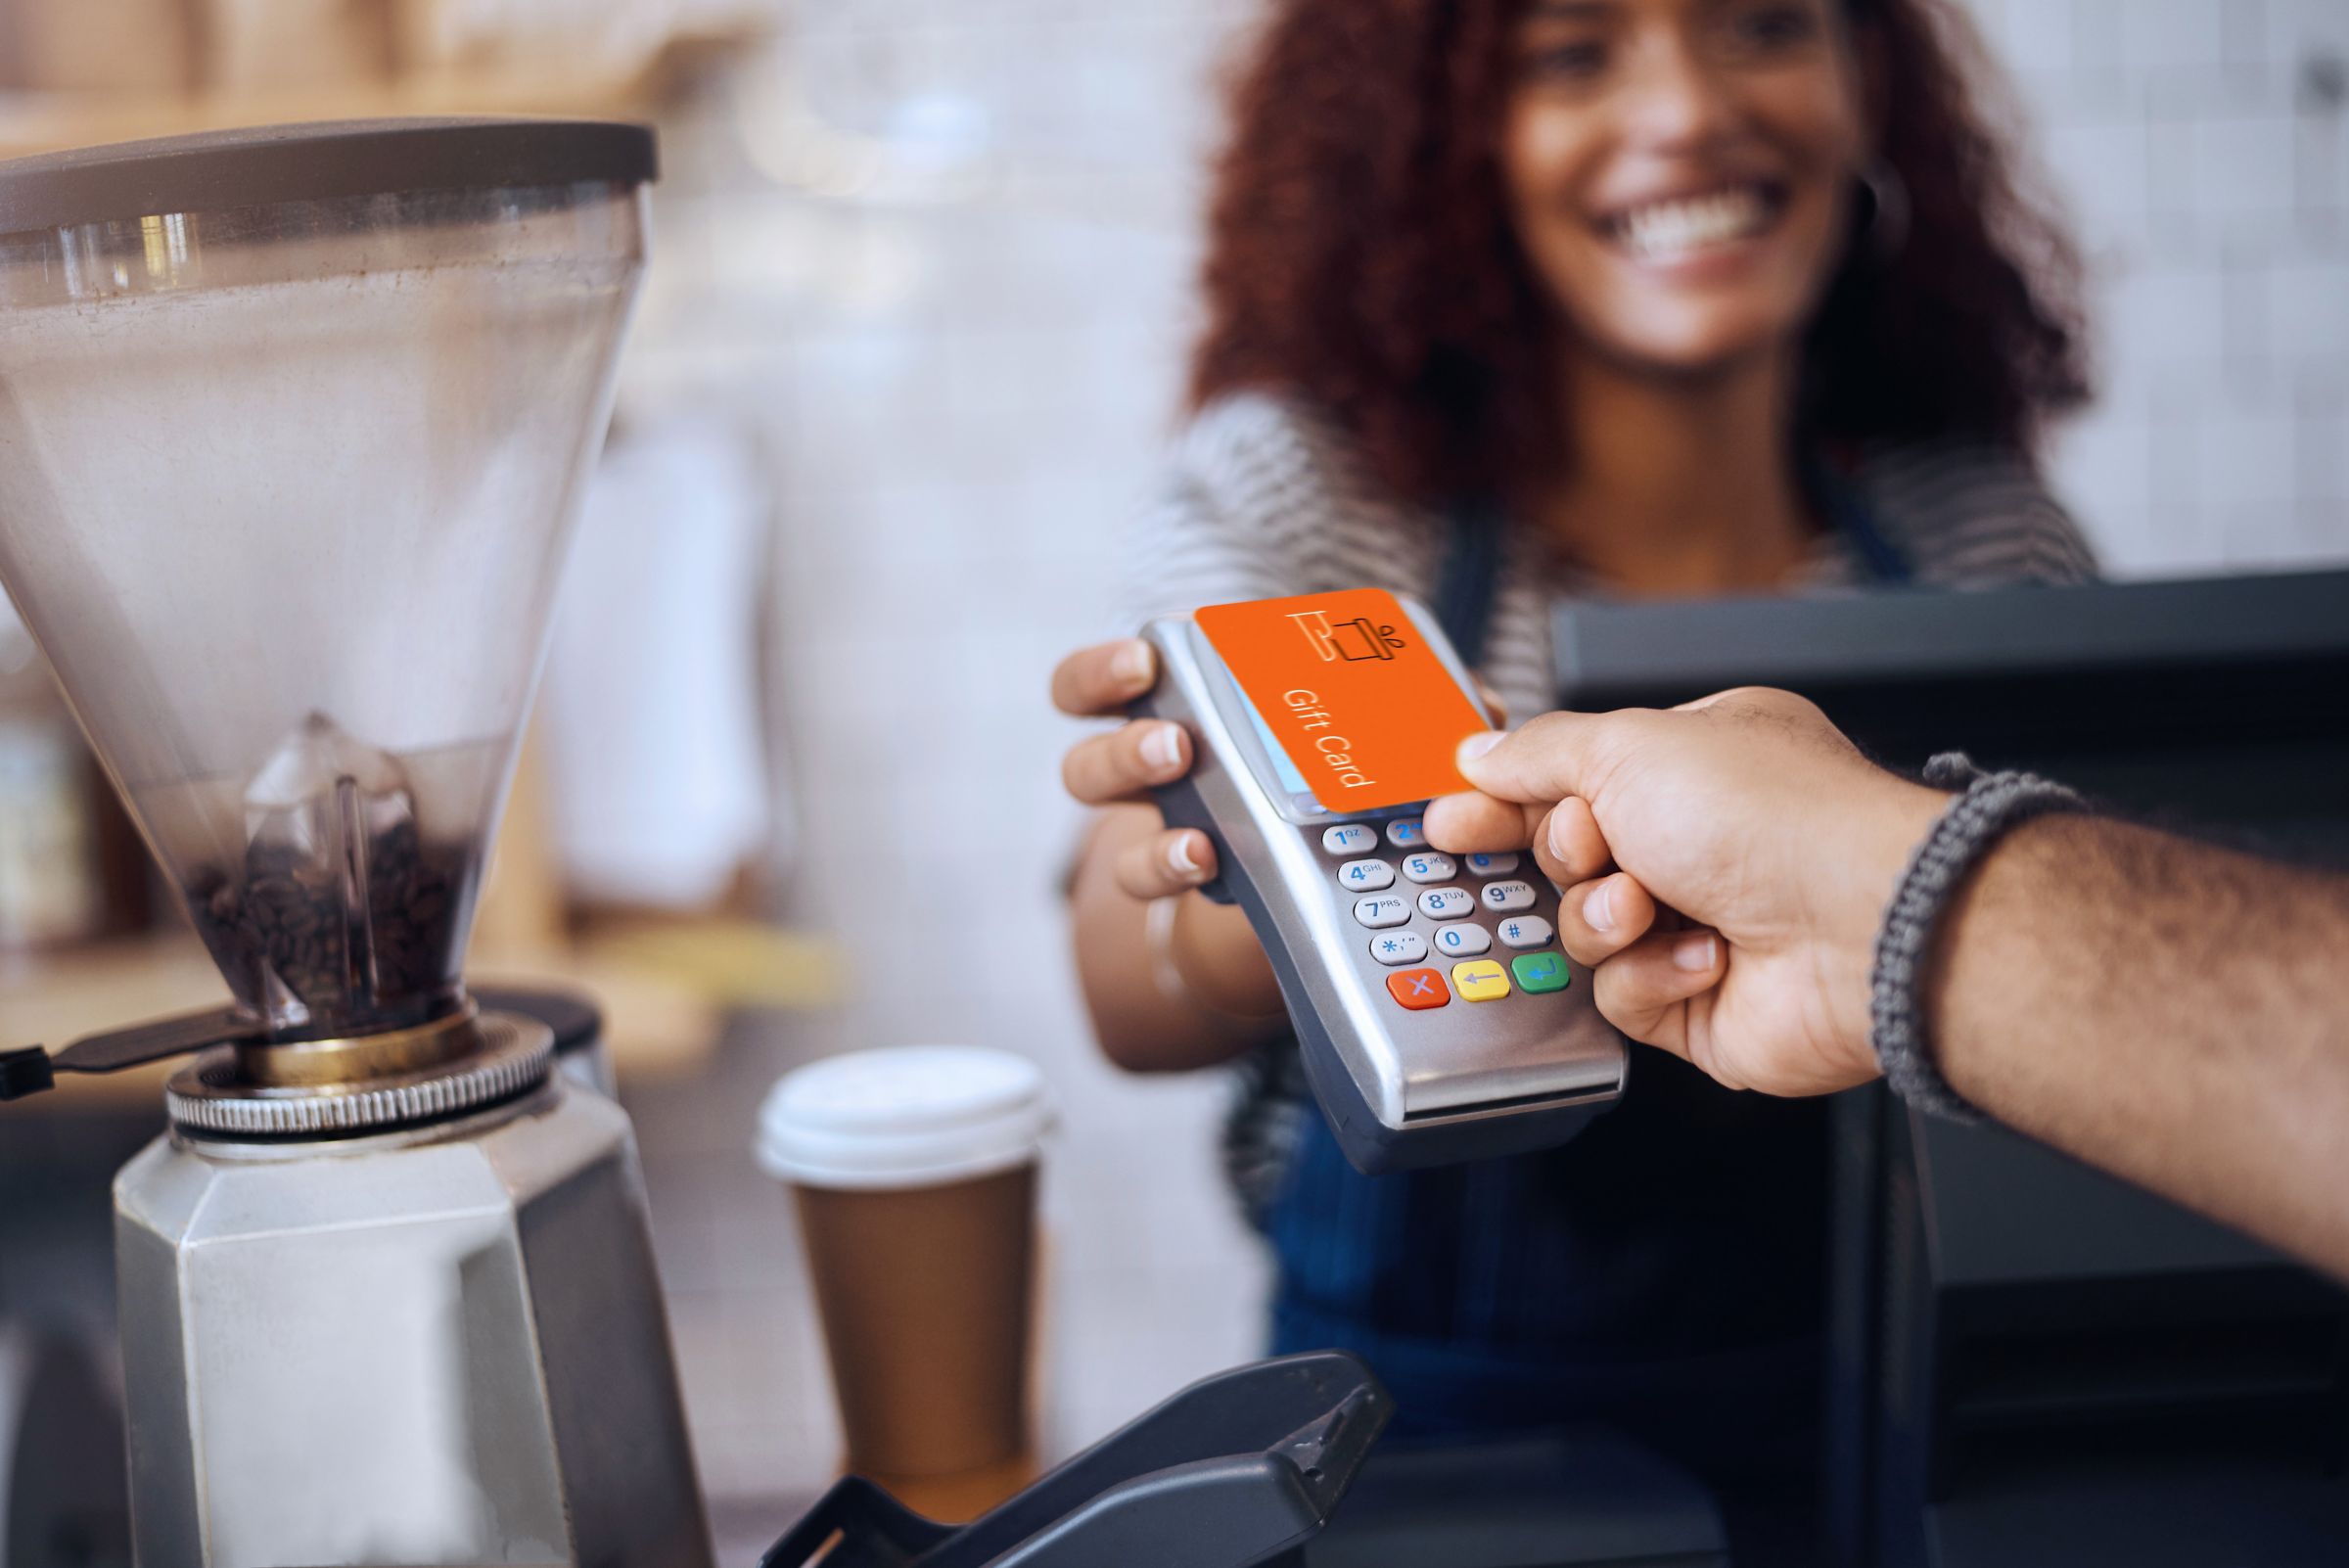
{"x": 907, "y": 362}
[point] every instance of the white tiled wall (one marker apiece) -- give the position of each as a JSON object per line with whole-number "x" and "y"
{"x": 960, "y": 368}
{"x": 958, "y": 340}
{"x": 2202, "y": 147}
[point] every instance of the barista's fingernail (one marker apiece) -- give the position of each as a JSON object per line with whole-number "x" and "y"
{"x": 1475, "y": 746}
{"x": 1162, "y": 748}
{"x": 1599, "y": 910}
{"x": 1179, "y": 855}
{"x": 1693, "y": 952}
{"x": 1131, "y": 664}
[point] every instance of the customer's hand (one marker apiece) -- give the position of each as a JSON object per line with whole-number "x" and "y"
{"x": 1771, "y": 844}
{"x": 1125, "y": 764}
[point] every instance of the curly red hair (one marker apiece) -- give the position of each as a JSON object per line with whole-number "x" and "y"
{"x": 1360, "y": 254}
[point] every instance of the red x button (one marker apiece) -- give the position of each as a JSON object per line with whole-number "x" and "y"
{"x": 1419, "y": 988}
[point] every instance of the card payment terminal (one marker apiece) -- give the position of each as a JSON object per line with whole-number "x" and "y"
{"x": 1437, "y": 1018}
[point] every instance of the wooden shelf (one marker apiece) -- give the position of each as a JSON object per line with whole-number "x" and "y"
{"x": 36, "y": 122}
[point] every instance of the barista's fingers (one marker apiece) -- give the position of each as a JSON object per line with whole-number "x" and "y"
{"x": 1478, "y": 824}
{"x": 1650, "y": 988}
{"x": 1596, "y": 920}
{"x": 1568, "y": 845}
{"x": 1125, "y": 763}
{"x": 1165, "y": 863}
{"x": 1104, "y": 679}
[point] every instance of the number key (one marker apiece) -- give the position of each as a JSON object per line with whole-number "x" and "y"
{"x": 1366, "y": 876}
{"x": 1507, "y": 897}
{"x": 1466, "y": 939}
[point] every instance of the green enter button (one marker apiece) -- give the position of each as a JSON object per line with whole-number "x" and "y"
{"x": 1537, "y": 972}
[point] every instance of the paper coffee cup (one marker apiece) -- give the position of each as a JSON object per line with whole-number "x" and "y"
{"x": 914, "y": 1171}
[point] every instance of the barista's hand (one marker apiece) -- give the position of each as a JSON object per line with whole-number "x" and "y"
{"x": 1125, "y": 764}
{"x": 1749, "y": 815}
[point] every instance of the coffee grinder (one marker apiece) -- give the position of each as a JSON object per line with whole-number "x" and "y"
{"x": 294, "y": 424}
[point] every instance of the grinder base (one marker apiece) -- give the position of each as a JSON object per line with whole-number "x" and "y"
{"x": 445, "y": 1343}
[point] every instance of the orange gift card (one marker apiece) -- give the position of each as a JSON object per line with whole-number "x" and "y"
{"x": 1351, "y": 691}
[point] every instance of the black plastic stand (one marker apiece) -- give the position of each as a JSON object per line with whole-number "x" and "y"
{"x": 1239, "y": 1470}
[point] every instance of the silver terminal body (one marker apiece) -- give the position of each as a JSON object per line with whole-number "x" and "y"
{"x": 1452, "y": 1081}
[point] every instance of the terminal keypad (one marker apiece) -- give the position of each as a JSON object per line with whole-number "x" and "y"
{"x": 1453, "y": 911}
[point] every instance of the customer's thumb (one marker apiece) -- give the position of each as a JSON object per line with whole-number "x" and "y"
{"x": 1546, "y": 760}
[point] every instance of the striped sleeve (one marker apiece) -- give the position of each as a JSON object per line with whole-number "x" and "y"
{"x": 1974, "y": 516}
{"x": 1263, "y": 500}
{"x": 1184, "y": 552}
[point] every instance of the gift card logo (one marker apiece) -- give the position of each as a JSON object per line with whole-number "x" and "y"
{"x": 1358, "y": 638}
{"x": 1352, "y": 693}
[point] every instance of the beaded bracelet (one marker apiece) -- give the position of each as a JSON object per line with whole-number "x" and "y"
{"x": 1988, "y": 807}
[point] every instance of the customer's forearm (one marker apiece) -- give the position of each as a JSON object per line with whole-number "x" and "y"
{"x": 2168, "y": 1011}
{"x": 1219, "y": 1001}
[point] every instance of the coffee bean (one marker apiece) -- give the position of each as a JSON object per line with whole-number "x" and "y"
{"x": 282, "y": 915}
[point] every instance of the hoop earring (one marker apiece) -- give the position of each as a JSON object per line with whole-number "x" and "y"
{"x": 1885, "y": 228}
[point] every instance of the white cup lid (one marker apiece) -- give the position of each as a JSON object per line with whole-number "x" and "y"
{"x": 906, "y": 1116}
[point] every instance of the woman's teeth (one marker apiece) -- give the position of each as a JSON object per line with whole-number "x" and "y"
{"x": 1664, "y": 231}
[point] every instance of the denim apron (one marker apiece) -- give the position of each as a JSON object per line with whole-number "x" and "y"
{"x": 1664, "y": 1273}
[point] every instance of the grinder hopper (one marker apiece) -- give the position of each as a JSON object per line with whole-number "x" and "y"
{"x": 293, "y": 428}
{"x": 293, "y": 425}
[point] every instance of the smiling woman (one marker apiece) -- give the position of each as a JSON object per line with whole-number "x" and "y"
{"x": 1514, "y": 301}
{"x": 1424, "y": 198}
{"x": 1656, "y": 256}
